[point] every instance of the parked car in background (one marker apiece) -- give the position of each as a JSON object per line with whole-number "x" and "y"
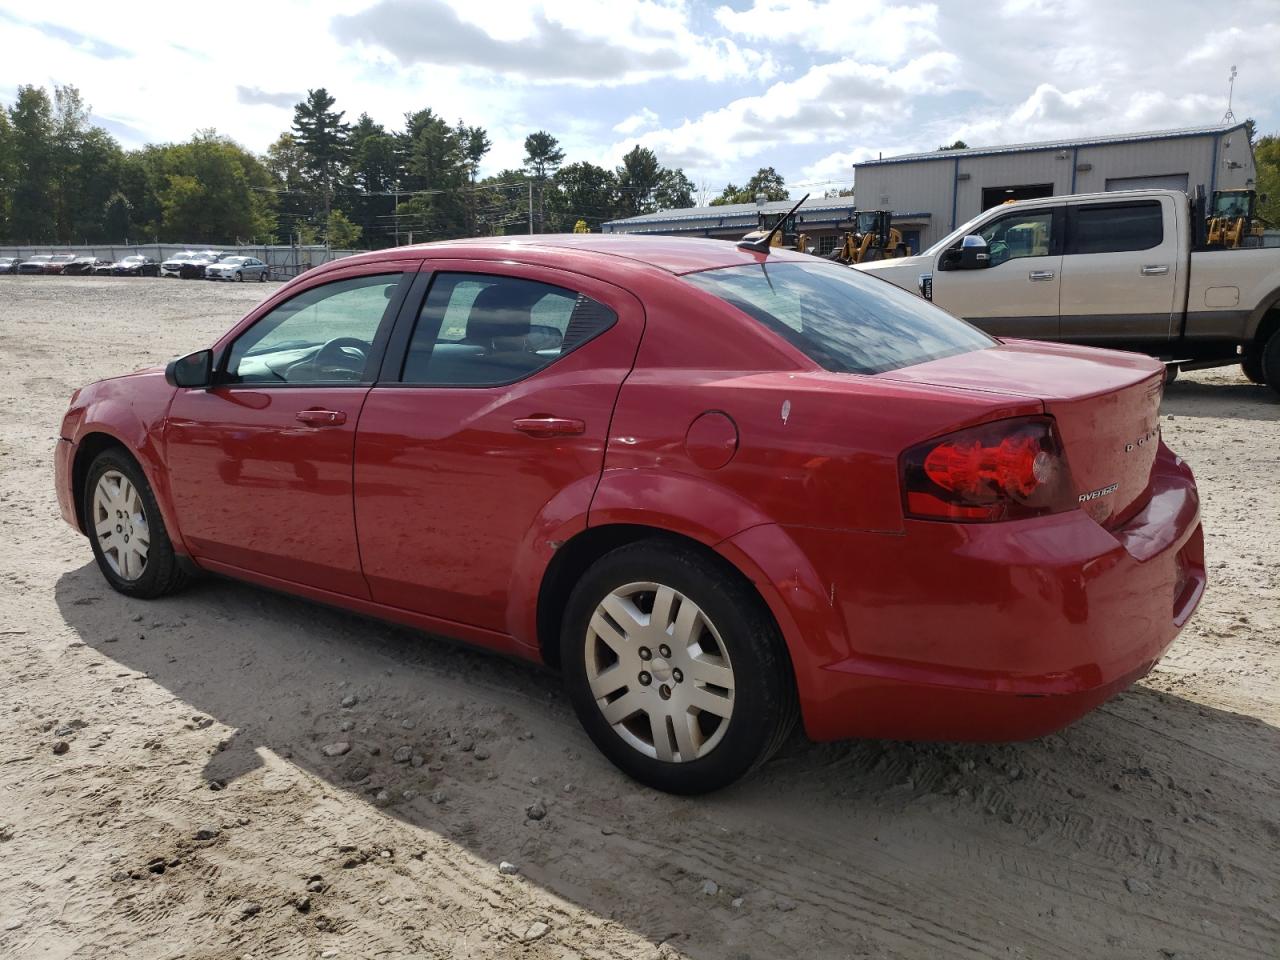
{"x": 9, "y": 264}
{"x": 172, "y": 267}
{"x": 136, "y": 266}
{"x": 826, "y": 499}
{"x": 80, "y": 266}
{"x": 194, "y": 269}
{"x": 103, "y": 268}
{"x": 58, "y": 262}
{"x": 1121, "y": 270}
{"x": 35, "y": 264}
{"x": 237, "y": 268}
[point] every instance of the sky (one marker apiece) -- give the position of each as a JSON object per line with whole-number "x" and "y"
{"x": 719, "y": 88}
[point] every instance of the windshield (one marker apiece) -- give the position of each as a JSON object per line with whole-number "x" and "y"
{"x": 842, "y": 319}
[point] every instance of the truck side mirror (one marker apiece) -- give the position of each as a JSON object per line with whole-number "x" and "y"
{"x": 193, "y": 370}
{"x": 973, "y": 253}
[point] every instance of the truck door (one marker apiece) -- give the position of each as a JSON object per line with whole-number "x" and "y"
{"x": 1120, "y": 271}
{"x": 1017, "y": 295}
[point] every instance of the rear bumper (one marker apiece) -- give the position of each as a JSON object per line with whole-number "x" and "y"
{"x": 1000, "y": 631}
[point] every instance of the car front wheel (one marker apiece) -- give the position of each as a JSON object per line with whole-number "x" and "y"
{"x": 1270, "y": 364}
{"x": 675, "y": 668}
{"x": 128, "y": 535}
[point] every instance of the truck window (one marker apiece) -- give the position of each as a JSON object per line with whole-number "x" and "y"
{"x": 1115, "y": 227}
{"x": 1026, "y": 233}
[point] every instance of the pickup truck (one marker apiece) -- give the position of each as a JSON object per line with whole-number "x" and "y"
{"x": 1127, "y": 270}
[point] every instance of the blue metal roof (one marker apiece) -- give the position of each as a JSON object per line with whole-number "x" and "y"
{"x": 1178, "y": 134}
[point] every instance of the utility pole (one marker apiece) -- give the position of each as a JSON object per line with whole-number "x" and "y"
{"x": 396, "y": 187}
{"x": 531, "y": 206}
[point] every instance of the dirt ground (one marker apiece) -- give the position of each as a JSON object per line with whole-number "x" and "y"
{"x": 196, "y": 813}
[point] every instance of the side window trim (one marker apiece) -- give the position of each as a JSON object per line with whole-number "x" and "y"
{"x": 1073, "y": 213}
{"x": 377, "y": 350}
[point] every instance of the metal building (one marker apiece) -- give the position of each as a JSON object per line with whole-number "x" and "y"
{"x": 822, "y": 219}
{"x": 952, "y": 186}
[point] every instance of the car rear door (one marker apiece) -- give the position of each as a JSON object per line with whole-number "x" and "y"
{"x": 486, "y": 434}
{"x": 260, "y": 464}
{"x": 1017, "y": 295}
{"x": 1120, "y": 271}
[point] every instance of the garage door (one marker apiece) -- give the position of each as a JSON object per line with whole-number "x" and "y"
{"x": 1168, "y": 181}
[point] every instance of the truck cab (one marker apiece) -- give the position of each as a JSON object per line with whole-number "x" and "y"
{"x": 1120, "y": 269}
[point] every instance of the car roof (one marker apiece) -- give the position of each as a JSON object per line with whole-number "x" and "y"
{"x": 674, "y": 255}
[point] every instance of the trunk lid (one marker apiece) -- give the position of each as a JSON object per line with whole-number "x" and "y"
{"x": 1106, "y": 405}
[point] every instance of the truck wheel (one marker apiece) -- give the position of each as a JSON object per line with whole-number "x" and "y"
{"x": 1251, "y": 365}
{"x": 1170, "y": 373}
{"x": 1271, "y": 362}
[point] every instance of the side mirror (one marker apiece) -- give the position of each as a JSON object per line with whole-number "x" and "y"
{"x": 973, "y": 253}
{"x": 193, "y": 370}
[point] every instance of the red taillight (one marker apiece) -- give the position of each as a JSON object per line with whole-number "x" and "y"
{"x": 998, "y": 471}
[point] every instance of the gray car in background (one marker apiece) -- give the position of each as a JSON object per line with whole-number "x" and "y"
{"x": 237, "y": 268}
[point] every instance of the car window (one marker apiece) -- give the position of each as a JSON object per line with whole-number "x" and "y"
{"x": 844, "y": 320}
{"x": 1115, "y": 228}
{"x": 1027, "y": 233}
{"x": 323, "y": 335}
{"x": 483, "y": 330}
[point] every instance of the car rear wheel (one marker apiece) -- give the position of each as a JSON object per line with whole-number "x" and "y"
{"x": 1251, "y": 366}
{"x": 126, "y": 530}
{"x": 239, "y": 276}
{"x": 675, "y": 668}
{"x": 1270, "y": 362}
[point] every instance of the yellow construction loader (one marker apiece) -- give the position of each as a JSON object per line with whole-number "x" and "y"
{"x": 780, "y": 232}
{"x": 1233, "y": 220}
{"x": 874, "y": 238}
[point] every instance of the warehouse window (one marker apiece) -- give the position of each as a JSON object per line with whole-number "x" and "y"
{"x": 827, "y": 245}
{"x": 1115, "y": 227}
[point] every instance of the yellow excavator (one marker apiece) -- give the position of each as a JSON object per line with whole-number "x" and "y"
{"x": 874, "y": 238}
{"x": 779, "y": 233}
{"x": 1233, "y": 220}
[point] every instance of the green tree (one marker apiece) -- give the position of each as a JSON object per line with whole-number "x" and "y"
{"x": 674, "y": 191}
{"x": 214, "y": 191}
{"x": 117, "y": 218}
{"x": 542, "y": 154}
{"x": 341, "y": 233}
{"x": 8, "y": 174}
{"x": 638, "y": 179}
{"x": 958, "y": 145}
{"x": 581, "y": 191}
{"x": 436, "y": 162}
{"x": 322, "y": 137}
{"x": 1266, "y": 154}
{"x": 31, "y": 213}
{"x": 766, "y": 180}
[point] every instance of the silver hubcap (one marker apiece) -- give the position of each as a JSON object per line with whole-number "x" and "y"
{"x": 659, "y": 672}
{"x": 120, "y": 524}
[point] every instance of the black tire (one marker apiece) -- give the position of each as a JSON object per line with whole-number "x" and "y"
{"x": 1170, "y": 373}
{"x": 239, "y": 277}
{"x": 1251, "y": 367}
{"x": 1271, "y": 361}
{"x": 262, "y": 275}
{"x": 162, "y": 573}
{"x": 764, "y": 705}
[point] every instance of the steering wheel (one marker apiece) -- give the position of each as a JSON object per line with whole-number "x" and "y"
{"x": 334, "y": 358}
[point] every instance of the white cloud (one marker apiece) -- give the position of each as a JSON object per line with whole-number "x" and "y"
{"x": 870, "y": 30}
{"x": 633, "y": 124}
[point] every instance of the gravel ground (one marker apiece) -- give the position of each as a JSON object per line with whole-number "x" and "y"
{"x": 247, "y": 775}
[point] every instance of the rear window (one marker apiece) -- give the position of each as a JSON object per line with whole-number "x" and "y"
{"x": 1115, "y": 228}
{"x": 842, "y": 319}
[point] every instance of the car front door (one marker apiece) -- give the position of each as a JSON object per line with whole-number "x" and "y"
{"x": 1120, "y": 272}
{"x": 487, "y": 430}
{"x": 1017, "y": 295}
{"x": 260, "y": 464}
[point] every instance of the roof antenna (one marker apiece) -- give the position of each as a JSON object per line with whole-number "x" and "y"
{"x": 762, "y": 244}
{"x": 1230, "y": 117}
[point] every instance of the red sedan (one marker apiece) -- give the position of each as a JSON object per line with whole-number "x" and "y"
{"x": 717, "y": 488}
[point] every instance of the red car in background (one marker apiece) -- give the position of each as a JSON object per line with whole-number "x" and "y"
{"x": 717, "y": 487}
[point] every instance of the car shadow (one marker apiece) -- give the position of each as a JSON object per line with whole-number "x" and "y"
{"x": 862, "y": 848}
{"x": 1235, "y": 400}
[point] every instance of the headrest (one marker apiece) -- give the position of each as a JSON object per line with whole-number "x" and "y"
{"x": 503, "y": 310}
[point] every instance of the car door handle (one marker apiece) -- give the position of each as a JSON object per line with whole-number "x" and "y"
{"x": 321, "y": 418}
{"x": 549, "y": 426}
{"x": 1155, "y": 269}
{"x": 1040, "y": 275}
